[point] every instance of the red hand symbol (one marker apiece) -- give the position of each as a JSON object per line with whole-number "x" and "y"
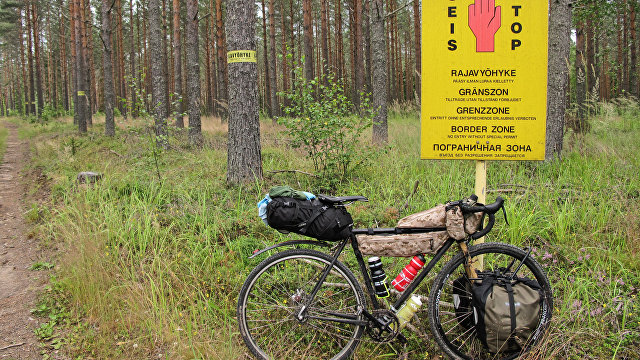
{"x": 484, "y": 21}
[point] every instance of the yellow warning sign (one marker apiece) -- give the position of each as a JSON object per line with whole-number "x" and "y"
{"x": 237, "y": 56}
{"x": 484, "y": 83}
{"x": 81, "y": 93}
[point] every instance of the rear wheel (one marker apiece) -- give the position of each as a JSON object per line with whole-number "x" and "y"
{"x": 273, "y": 296}
{"x": 452, "y": 318}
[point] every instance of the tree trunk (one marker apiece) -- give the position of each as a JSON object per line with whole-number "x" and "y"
{"x": 418, "y": 49}
{"x": 359, "y": 61}
{"x": 559, "y": 49}
{"x": 367, "y": 44}
{"x": 81, "y": 67}
{"x": 620, "y": 80}
{"x": 285, "y": 59}
{"x": 223, "y": 78}
{"x": 74, "y": 61}
{"x": 625, "y": 41}
{"x": 32, "y": 95}
{"x": 212, "y": 56}
{"x": 26, "y": 109}
{"x": 109, "y": 96}
{"x": 590, "y": 55}
{"x": 379, "y": 64}
{"x": 267, "y": 82}
{"x": 84, "y": 35}
{"x": 275, "y": 107}
{"x": 207, "y": 82}
{"x": 165, "y": 57}
{"x": 158, "y": 79}
{"x": 580, "y": 67}
{"x": 88, "y": 48}
{"x": 177, "y": 64}
{"x": 308, "y": 39}
{"x": 244, "y": 162}
{"x": 132, "y": 60}
{"x": 324, "y": 30}
{"x": 38, "y": 67}
{"x": 193, "y": 73}
{"x": 121, "y": 81}
{"x": 633, "y": 68}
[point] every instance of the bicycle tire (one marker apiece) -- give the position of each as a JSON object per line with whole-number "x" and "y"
{"x": 451, "y": 328}
{"x": 271, "y": 297}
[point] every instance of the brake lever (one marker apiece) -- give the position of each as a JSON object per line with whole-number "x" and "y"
{"x": 504, "y": 212}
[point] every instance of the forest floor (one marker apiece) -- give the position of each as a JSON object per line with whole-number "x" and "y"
{"x": 151, "y": 258}
{"x": 19, "y": 284}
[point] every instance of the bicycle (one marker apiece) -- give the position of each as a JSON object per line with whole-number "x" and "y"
{"x": 304, "y": 303}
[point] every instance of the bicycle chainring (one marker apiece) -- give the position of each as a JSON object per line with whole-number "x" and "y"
{"x": 387, "y": 332}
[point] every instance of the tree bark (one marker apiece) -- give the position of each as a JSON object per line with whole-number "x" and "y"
{"x": 559, "y": 48}
{"x": 359, "y": 61}
{"x": 81, "y": 69}
{"x": 244, "y": 162}
{"x": 275, "y": 107}
{"x": 223, "y": 78}
{"x": 625, "y": 41}
{"x": 132, "y": 61}
{"x": 88, "y": 48}
{"x": 580, "y": 68}
{"x": 267, "y": 78}
{"x": 367, "y": 44}
{"x": 379, "y": 64}
{"x": 158, "y": 80}
{"x": 339, "y": 41}
{"x": 285, "y": 59}
{"x": 620, "y": 80}
{"x": 107, "y": 65}
{"x": 74, "y": 61}
{"x": 121, "y": 82}
{"x": 308, "y": 39}
{"x": 633, "y": 66}
{"x": 418, "y": 49}
{"x": 38, "y": 66}
{"x": 32, "y": 94}
{"x": 325, "y": 39}
{"x": 177, "y": 64}
{"x": 26, "y": 109}
{"x": 193, "y": 73}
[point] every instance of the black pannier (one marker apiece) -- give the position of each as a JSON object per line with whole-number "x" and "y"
{"x": 311, "y": 218}
{"x": 505, "y": 312}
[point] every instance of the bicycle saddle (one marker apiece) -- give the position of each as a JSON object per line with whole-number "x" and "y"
{"x": 340, "y": 199}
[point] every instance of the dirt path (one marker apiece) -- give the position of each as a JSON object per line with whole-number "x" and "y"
{"x": 18, "y": 284}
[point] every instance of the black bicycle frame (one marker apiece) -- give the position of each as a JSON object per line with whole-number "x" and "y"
{"x": 350, "y": 319}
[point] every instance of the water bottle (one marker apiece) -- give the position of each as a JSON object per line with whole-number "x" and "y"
{"x": 406, "y": 276}
{"x": 408, "y": 310}
{"x": 378, "y": 277}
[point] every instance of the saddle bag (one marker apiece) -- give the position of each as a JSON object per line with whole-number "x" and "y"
{"x": 504, "y": 312}
{"x": 311, "y": 218}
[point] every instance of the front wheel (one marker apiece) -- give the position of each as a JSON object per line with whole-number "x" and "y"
{"x": 453, "y": 325}
{"x": 273, "y": 296}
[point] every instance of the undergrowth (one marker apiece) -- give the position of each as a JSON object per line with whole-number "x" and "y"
{"x": 3, "y": 140}
{"x": 152, "y": 268}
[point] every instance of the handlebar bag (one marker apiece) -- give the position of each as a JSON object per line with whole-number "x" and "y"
{"x": 459, "y": 225}
{"x": 310, "y": 218}
{"x": 506, "y": 312}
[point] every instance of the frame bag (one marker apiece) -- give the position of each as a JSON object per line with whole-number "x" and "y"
{"x": 311, "y": 218}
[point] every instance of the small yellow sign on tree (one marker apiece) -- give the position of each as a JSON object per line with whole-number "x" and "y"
{"x": 484, "y": 79}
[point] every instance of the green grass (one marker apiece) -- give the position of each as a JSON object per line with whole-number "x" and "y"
{"x": 151, "y": 267}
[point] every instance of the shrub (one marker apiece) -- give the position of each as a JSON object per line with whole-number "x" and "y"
{"x": 322, "y": 122}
